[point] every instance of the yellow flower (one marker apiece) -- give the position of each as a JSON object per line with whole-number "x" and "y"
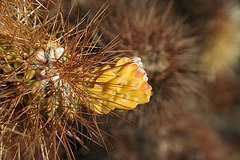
{"x": 120, "y": 87}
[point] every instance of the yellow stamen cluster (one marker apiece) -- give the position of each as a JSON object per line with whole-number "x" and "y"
{"x": 120, "y": 87}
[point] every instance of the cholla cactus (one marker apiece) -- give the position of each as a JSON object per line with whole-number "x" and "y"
{"x": 55, "y": 81}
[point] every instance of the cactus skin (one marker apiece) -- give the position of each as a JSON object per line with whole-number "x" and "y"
{"x": 121, "y": 87}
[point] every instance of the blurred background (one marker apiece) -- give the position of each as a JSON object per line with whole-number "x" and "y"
{"x": 190, "y": 50}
